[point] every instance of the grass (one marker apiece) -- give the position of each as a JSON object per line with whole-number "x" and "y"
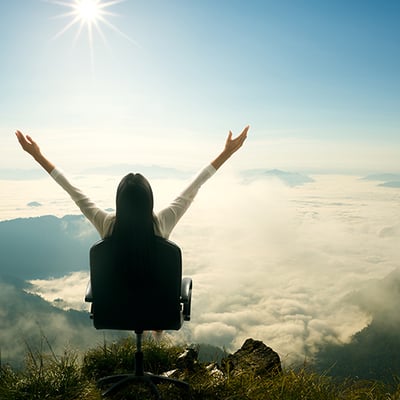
{"x": 46, "y": 376}
{"x": 72, "y": 376}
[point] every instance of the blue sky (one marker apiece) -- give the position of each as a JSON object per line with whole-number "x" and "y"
{"x": 317, "y": 81}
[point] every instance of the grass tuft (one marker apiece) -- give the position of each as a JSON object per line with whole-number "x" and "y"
{"x": 71, "y": 377}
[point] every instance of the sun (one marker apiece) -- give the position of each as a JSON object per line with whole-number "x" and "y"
{"x": 89, "y": 14}
{"x": 88, "y": 10}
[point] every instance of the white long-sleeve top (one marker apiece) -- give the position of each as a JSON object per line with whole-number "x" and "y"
{"x": 164, "y": 221}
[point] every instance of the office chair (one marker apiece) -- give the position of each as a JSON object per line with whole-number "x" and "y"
{"x": 143, "y": 298}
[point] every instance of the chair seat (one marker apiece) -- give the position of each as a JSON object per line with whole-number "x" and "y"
{"x": 147, "y": 298}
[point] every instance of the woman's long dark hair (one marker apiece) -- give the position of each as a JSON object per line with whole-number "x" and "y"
{"x": 133, "y": 233}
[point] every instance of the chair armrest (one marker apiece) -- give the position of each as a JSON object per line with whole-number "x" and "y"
{"x": 89, "y": 294}
{"x": 186, "y": 297}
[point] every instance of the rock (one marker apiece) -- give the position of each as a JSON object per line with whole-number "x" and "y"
{"x": 186, "y": 364}
{"x": 253, "y": 357}
{"x": 215, "y": 372}
{"x": 188, "y": 360}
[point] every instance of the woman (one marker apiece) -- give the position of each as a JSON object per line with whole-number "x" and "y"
{"x": 134, "y": 220}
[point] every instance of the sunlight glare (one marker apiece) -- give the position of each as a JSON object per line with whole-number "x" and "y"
{"x": 88, "y": 10}
{"x": 89, "y": 13}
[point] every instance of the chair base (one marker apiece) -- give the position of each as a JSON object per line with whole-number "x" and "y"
{"x": 118, "y": 382}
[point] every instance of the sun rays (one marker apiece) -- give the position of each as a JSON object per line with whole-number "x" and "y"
{"x": 89, "y": 15}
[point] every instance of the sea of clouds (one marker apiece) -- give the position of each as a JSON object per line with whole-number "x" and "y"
{"x": 268, "y": 261}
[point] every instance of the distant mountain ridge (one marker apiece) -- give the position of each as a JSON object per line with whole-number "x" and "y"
{"x": 373, "y": 353}
{"x": 43, "y": 247}
{"x": 25, "y": 319}
{"x": 288, "y": 178}
{"x": 47, "y": 246}
{"x": 8, "y": 174}
{"x": 392, "y": 184}
{"x": 387, "y": 179}
{"x": 160, "y": 172}
{"x": 150, "y": 171}
{"x": 382, "y": 177}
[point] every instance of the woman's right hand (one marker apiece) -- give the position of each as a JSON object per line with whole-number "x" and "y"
{"x": 28, "y": 144}
{"x": 231, "y": 146}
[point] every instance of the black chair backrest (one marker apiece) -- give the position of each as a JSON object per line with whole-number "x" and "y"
{"x": 147, "y": 298}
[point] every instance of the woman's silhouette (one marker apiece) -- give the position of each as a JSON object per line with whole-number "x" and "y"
{"x": 134, "y": 223}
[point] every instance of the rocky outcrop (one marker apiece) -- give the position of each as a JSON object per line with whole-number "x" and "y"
{"x": 253, "y": 357}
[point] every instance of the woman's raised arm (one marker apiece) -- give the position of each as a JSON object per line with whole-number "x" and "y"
{"x": 231, "y": 146}
{"x": 31, "y": 147}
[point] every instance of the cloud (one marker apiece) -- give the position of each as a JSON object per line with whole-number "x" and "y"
{"x": 217, "y": 333}
{"x": 28, "y": 320}
{"x": 390, "y": 231}
{"x": 275, "y": 263}
{"x": 66, "y": 292}
{"x": 34, "y": 204}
